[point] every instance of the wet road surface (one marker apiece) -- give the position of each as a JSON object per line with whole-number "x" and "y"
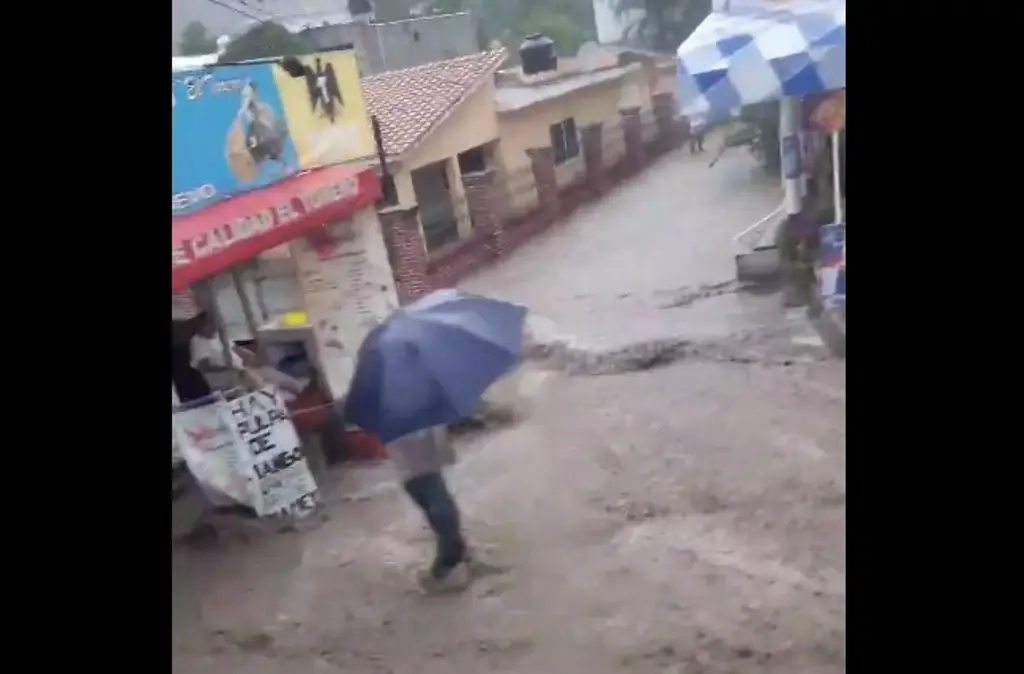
{"x": 688, "y": 518}
{"x": 632, "y": 266}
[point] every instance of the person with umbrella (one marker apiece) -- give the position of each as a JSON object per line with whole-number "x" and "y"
{"x": 419, "y": 459}
{"x": 425, "y": 367}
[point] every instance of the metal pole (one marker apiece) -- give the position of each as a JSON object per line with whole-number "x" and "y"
{"x": 789, "y": 147}
{"x": 837, "y": 190}
{"x": 257, "y": 283}
{"x": 250, "y": 316}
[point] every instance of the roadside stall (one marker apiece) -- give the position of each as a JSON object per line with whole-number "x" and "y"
{"x": 757, "y": 51}
{"x": 326, "y": 217}
{"x": 225, "y": 237}
{"x": 259, "y": 166}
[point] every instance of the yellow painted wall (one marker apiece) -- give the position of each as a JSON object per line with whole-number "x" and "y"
{"x": 403, "y": 186}
{"x": 319, "y": 140}
{"x": 528, "y": 128}
{"x": 472, "y": 123}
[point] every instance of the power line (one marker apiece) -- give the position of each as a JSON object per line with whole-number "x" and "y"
{"x": 236, "y": 10}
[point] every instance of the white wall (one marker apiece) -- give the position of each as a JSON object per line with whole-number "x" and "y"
{"x": 347, "y": 288}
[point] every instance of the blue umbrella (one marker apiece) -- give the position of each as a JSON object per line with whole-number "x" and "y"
{"x": 429, "y": 362}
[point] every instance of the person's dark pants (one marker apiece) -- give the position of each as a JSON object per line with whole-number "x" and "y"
{"x": 431, "y": 494}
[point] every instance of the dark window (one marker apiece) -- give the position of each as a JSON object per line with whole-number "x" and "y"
{"x": 437, "y": 215}
{"x": 473, "y": 160}
{"x": 564, "y": 141}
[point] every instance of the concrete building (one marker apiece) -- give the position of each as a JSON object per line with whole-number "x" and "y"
{"x": 537, "y": 110}
{"x": 400, "y": 44}
{"x": 380, "y": 45}
{"x": 437, "y": 121}
{"x": 470, "y": 146}
{"x": 395, "y": 10}
{"x": 445, "y": 123}
{"x": 231, "y": 17}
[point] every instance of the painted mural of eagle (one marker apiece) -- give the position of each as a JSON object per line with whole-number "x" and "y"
{"x": 323, "y": 89}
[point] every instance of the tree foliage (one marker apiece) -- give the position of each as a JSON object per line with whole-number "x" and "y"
{"x": 195, "y": 40}
{"x": 569, "y": 23}
{"x": 664, "y": 24}
{"x": 264, "y": 40}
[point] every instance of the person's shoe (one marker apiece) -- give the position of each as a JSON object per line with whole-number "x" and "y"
{"x": 456, "y": 579}
{"x": 479, "y": 568}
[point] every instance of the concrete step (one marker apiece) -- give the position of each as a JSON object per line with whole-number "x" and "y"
{"x": 761, "y": 266}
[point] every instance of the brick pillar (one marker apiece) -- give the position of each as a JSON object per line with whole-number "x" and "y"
{"x": 669, "y": 135}
{"x": 542, "y": 161}
{"x": 485, "y": 209}
{"x": 592, "y": 140}
{"x": 407, "y": 252}
{"x": 633, "y": 134}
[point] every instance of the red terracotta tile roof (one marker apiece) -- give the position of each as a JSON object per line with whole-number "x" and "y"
{"x": 409, "y": 103}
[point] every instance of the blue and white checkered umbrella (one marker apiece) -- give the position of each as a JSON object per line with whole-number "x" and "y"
{"x": 761, "y": 51}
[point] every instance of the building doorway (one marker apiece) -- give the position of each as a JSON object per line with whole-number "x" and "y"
{"x": 437, "y": 214}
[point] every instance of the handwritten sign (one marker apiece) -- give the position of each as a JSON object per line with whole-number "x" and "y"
{"x": 207, "y": 445}
{"x": 274, "y": 463}
{"x": 348, "y": 288}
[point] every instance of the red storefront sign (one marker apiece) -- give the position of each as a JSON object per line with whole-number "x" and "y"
{"x": 228, "y": 233}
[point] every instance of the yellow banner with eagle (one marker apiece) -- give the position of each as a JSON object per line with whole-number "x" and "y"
{"x": 324, "y": 108}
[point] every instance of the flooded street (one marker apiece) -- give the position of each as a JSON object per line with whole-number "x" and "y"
{"x": 686, "y": 518}
{"x": 654, "y": 260}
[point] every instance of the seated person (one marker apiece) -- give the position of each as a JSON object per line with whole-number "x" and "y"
{"x": 190, "y": 384}
{"x": 206, "y": 355}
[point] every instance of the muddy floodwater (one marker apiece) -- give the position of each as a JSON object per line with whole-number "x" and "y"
{"x": 682, "y": 516}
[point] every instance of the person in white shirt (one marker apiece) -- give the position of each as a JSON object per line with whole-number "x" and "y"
{"x": 207, "y": 356}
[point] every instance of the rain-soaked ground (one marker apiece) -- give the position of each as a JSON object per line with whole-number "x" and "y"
{"x": 653, "y": 262}
{"x": 684, "y": 518}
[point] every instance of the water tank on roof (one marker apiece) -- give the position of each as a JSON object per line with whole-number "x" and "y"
{"x": 537, "y": 53}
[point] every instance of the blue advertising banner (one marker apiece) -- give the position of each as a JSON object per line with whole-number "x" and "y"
{"x": 832, "y": 265}
{"x": 228, "y": 135}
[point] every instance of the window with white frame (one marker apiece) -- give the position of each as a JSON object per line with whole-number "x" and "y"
{"x": 565, "y": 142}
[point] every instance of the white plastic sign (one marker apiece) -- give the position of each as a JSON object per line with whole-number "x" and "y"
{"x": 208, "y": 446}
{"x": 279, "y": 477}
{"x": 248, "y": 450}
